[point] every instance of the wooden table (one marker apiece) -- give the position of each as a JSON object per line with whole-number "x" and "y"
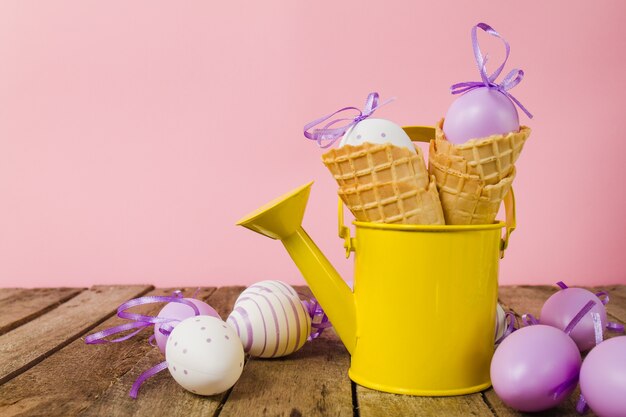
{"x": 46, "y": 369}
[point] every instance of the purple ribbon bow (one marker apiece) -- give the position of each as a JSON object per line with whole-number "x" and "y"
{"x": 513, "y": 78}
{"x": 327, "y": 133}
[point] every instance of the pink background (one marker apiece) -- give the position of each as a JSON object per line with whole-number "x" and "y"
{"x": 133, "y": 135}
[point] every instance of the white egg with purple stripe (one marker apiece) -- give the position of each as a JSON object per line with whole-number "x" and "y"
{"x": 204, "y": 355}
{"x": 270, "y": 323}
{"x": 500, "y": 321}
{"x": 269, "y": 286}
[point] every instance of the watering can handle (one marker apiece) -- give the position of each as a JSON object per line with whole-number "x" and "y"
{"x": 426, "y": 134}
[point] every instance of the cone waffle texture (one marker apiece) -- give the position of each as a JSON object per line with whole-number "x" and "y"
{"x": 473, "y": 178}
{"x": 384, "y": 183}
{"x": 492, "y": 158}
{"x": 376, "y": 163}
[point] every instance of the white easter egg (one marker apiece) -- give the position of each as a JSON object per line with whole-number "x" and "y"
{"x": 204, "y": 355}
{"x": 500, "y": 321}
{"x": 270, "y": 324}
{"x": 377, "y": 131}
{"x": 269, "y": 286}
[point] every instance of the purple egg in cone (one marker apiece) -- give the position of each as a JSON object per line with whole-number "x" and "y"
{"x": 478, "y": 143}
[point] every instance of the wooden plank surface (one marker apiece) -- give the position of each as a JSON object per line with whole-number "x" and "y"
{"x": 30, "y": 343}
{"x": 19, "y": 306}
{"x": 311, "y": 382}
{"x": 75, "y": 377}
{"x": 380, "y": 404}
{"x": 47, "y": 370}
{"x": 161, "y": 394}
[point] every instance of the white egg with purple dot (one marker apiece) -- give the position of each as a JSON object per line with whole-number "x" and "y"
{"x": 377, "y": 131}
{"x": 204, "y": 355}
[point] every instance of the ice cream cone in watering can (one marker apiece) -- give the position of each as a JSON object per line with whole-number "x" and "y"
{"x": 419, "y": 319}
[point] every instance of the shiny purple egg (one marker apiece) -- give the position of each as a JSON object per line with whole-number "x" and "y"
{"x": 480, "y": 113}
{"x": 535, "y": 368}
{"x": 564, "y": 305}
{"x": 603, "y": 378}
{"x": 179, "y": 312}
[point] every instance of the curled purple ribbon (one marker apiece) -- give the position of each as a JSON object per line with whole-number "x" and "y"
{"x": 319, "y": 319}
{"x": 327, "y": 133}
{"x": 509, "y": 320}
{"x": 578, "y": 317}
{"x": 604, "y": 298}
{"x": 581, "y": 405}
{"x": 513, "y": 78}
{"x": 140, "y": 322}
{"x": 529, "y": 320}
{"x": 145, "y": 375}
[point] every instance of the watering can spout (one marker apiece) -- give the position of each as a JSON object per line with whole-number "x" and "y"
{"x": 282, "y": 219}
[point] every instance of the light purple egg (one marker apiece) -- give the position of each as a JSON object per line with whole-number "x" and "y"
{"x": 480, "y": 113}
{"x": 564, "y": 305}
{"x": 603, "y": 378}
{"x": 531, "y": 364}
{"x": 180, "y": 311}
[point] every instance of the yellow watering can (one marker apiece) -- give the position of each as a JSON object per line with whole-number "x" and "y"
{"x": 421, "y": 318}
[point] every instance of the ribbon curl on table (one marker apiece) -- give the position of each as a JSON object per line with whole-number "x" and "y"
{"x": 141, "y": 322}
{"x": 509, "y": 320}
{"x": 513, "y": 78}
{"x": 319, "y": 319}
{"x": 327, "y": 133}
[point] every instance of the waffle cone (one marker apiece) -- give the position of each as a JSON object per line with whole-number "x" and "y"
{"x": 491, "y": 158}
{"x": 394, "y": 202}
{"x": 465, "y": 197}
{"x": 384, "y": 183}
{"x": 376, "y": 164}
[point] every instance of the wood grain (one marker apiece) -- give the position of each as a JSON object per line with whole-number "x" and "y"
{"x": 310, "y": 382}
{"x": 161, "y": 395}
{"x": 379, "y": 404}
{"x": 23, "y": 305}
{"x": 32, "y": 342}
{"x": 76, "y": 376}
{"x": 45, "y": 370}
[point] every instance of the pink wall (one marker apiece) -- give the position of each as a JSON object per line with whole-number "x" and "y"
{"x": 134, "y": 134}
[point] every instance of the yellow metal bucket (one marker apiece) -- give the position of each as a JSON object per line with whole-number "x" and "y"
{"x": 425, "y": 302}
{"x": 421, "y": 320}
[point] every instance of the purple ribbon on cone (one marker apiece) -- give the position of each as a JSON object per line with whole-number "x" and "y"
{"x": 331, "y": 135}
{"x": 514, "y": 77}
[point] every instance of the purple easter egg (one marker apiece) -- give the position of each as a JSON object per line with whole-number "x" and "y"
{"x": 180, "y": 311}
{"x": 480, "y": 113}
{"x": 603, "y": 378}
{"x": 559, "y": 310}
{"x": 531, "y": 364}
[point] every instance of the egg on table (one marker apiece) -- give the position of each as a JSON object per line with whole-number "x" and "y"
{"x": 270, "y": 324}
{"x": 204, "y": 355}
